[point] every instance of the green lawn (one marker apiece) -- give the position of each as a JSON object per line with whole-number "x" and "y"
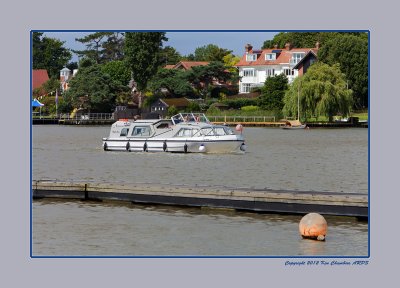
{"x": 362, "y": 115}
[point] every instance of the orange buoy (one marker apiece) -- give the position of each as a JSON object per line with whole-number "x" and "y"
{"x": 313, "y": 226}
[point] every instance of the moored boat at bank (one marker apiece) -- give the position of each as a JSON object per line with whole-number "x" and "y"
{"x": 295, "y": 124}
{"x": 184, "y": 132}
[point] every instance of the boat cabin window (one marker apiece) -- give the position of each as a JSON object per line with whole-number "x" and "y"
{"x": 207, "y": 131}
{"x": 187, "y": 132}
{"x": 141, "y": 131}
{"x": 228, "y": 131}
{"x": 124, "y": 132}
{"x": 163, "y": 126}
{"x": 219, "y": 131}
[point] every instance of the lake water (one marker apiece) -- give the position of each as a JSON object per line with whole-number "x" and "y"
{"x": 312, "y": 160}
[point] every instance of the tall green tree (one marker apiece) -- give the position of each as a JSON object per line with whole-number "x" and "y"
{"x": 204, "y": 77}
{"x": 113, "y": 47}
{"x": 210, "y": 53}
{"x": 142, "y": 53}
{"x": 307, "y": 39}
{"x": 273, "y": 92}
{"x": 49, "y": 54}
{"x": 169, "y": 56}
{"x": 91, "y": 89}
{"x": 119, "y": 72}
{"x": 172, "y": 80}
{"x": 102, "y": 47}
{"x": 351, "y": 52}
{"x": 120, "y": 76}
{"x": 321, "y": 91}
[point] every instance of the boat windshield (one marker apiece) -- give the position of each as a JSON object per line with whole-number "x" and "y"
{"x": 189, "y": 117}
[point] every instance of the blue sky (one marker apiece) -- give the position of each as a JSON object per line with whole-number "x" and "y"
{"x": 186, "y": 42}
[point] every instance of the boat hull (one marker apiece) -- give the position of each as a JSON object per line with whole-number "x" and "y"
{"x": 174, "y": 145}
{"x": 294, "y": 127}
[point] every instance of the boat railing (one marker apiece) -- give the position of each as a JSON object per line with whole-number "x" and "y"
{"x": 189, "y": 117}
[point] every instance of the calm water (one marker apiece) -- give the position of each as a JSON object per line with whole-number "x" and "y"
{"x": 315, "y": 159}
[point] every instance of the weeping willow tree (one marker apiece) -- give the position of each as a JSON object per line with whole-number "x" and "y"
{"x": 322, "y": 91}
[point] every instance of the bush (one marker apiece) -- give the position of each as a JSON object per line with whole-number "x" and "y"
{"x": 250, "y": 108}
{"x": 213, "y": 110}
{"x": 239, "y": 103}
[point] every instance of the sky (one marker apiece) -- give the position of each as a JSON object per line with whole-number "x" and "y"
{"x": 186, "y": 42}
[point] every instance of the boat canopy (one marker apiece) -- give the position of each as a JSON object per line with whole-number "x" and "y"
{"x": 189, "y": 117}
{"x": 293, "y": 123}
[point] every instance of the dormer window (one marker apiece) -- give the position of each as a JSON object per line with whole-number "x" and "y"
{"x": 251, "y": 57}
{"x": 270, "y": 56}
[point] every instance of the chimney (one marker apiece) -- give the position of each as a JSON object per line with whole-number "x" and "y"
{"x": 317, "y": 45}
{"x": 288, "y": 46}
{"x": 248, "y": 48}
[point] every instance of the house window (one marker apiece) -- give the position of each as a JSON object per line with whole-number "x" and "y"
{"x": 251, "y": 57}
{"x": 288, "y": 72}
{"x": 270, "y": 56}
{"x": 270, "y": 72}
{"x": 248, "y": 73}
{"x": 246, "y": 87}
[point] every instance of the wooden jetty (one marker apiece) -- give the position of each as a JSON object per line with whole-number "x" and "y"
{"x": 257, "y": 200}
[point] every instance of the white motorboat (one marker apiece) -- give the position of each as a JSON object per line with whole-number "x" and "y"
{"x": 184, "y": 132}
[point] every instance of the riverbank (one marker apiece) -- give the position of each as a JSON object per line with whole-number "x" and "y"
{"x": 244, "y": 123}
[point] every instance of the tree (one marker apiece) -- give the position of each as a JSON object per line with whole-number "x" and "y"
{"x": 120, "y": 76}
{"x": 307, "y": 39}
{"x": 102, "y": 47}
{"x": 351, "y": 53}
{"x": 169, "y": 55}
{"x": 113, "y": 48}
{"x": 119, "y": 72}
{"x": 210, "y": 53}
{"x": 49, "y": 54}
{"x": 230, "y": 61}
{"x": 142, "y": 53}
{"x": 174, "y": 81}
{"x": 321, "y": 91}
{"x": 203, "y": 77}
{"x": 272, "y": 92}
{"x": 91, "y": 89}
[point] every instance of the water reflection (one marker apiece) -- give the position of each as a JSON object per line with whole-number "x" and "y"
{"x": 75, "y": 228}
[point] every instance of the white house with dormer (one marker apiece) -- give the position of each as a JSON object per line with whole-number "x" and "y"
{"x": 65, "y": 76}
{"x": 257, "y": 65}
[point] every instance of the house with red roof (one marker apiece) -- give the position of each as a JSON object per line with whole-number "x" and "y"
{"x": 39, "y": 77}
{"x": 186, "y": 65}
{"x": 257, "y": 65}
